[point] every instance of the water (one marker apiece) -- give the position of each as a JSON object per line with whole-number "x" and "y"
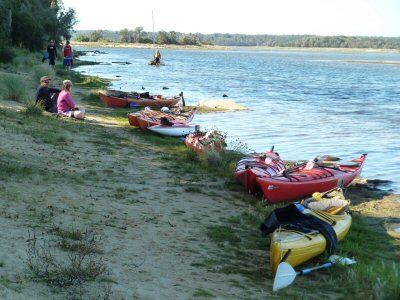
{"x": 304, "y": 103}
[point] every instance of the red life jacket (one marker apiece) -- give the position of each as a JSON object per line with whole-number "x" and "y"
{"x": 67, "y": 50}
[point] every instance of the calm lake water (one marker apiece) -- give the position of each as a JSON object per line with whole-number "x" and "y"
{"x": 304, "y": 103}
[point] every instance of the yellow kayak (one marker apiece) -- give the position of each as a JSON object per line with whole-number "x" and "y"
{"x": 305, "y": 246}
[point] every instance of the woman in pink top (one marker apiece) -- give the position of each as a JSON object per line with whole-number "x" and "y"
{"x": 66, "y": 105}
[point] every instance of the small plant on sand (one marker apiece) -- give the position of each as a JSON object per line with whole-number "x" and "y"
{"x": 14, "y": 88}
{"x": 191, "y": 156}
{"x": 69, "y": 261}
{"x": 33, "y": 109}
{"x": 213, "y": 159}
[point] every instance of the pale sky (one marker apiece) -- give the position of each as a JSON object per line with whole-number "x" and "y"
{"x": 318, "y": 17}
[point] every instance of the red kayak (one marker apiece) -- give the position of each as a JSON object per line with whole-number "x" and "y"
{"x": 303, "y": 180}
{"x": 202, "y": 142}
{"x": 250, "y": 167}
{"x": 124, "y": 99}
{"x": 113, "y": 101}
{"x": 150, "y": 118}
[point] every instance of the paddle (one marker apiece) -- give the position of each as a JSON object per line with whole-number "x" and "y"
{"x": 286, "y": 274}
{"x": 183, "y": 99}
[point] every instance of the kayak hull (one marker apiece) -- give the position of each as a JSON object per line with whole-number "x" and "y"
{"x": 146, "y": 119}
{"x": 302, "y": 182}
{"x": 126, "y": 101}
{"x": 304, "y": 246}
{"x": 175, "y": 130}
{"x": 250, "y": 167}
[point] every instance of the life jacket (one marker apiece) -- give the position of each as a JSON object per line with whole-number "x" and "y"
{"x": 67, "y": 50}
{"x": 291, "y": 218}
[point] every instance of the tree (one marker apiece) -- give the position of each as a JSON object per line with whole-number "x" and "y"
{"x": 162, "y": 37}
{"x": 172, "y": 37}
{"x": 34, "y": 22}
{"x": 5, "y": 23}
{"x": 138, "y": 34}
{"x": 190, "y": 39}
{"x": 124, "y": 35}
{"x": 96, "y": 35}
{"x": 82, "y": 38}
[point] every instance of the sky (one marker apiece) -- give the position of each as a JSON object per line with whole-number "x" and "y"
{"x": 317, "y": 17}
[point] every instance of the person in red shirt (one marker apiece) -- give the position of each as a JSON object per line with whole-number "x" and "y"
{"x": 68, "y": 56}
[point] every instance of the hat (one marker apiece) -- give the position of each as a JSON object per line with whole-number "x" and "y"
{"x": 43, "y": 78}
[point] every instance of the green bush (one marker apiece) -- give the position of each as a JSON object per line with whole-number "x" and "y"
{"x": 6, "y": 54}
{"x": 14, "y": 88}
{"x": 33, "y": 109}
{"x": 39, "y": 71}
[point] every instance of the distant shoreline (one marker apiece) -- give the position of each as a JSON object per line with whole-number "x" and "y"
{"x": 216, "y": 47}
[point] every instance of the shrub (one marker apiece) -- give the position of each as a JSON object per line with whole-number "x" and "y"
{"x": 33, "y": 109}
{"x": 213, "y": 159}
{"x": 15, "y": 88}
{"x": 80, "y": 265}
{"x": 39, "y": 71}
{"x": 6, "y": 54}
{"x": 191, "y": 156}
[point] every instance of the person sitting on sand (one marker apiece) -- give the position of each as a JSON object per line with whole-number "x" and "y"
{"x": 43, "y": 95}
{"x": 66, "y": 105}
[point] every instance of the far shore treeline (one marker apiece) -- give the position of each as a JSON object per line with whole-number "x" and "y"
{"x": 138, "y": 35}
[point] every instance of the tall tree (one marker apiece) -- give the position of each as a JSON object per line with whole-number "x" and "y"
{"x": 124, "y": 35}
{"x": 138, "y": 34}
{"x": 34, "y": 22}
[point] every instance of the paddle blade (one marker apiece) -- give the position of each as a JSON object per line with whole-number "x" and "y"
{"x": 284, "y": 277}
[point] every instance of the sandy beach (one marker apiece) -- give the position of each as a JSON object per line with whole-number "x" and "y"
{"x": 153, "y": 216}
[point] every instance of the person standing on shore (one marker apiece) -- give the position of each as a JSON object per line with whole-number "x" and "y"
{"x": 52, "y": 51}
{"x": 68, "y": 56}
{"x": 43, "y": 95}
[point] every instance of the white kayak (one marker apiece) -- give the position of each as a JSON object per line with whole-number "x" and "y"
{"x": 173, "y": 130}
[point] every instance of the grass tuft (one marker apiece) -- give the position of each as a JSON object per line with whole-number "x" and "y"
{"x": 59, "y": 270}
{"x": 14, "y": 88}
{"x": 33, "y": 109}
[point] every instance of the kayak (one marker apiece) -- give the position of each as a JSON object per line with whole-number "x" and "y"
{"x": 151, "y": 118}
{"x": 132, "y": 118}
{"x": 113, "y": 101}
{"x": 202, "y": 142}
{"x": 305, "y": 179}
{"x": 249, "y": 167}
{"x": 173, "y": 129}
{"x": 125, "y": 99}
{"x": 307, "y": 245}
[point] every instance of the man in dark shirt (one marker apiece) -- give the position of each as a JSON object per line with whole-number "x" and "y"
{"x": 44, "y": 92}
{"x": 52, "y": 51}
